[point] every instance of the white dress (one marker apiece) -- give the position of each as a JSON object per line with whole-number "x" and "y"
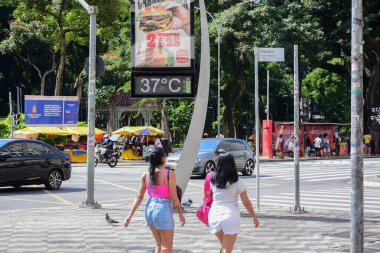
{"x": 224, "y": 213}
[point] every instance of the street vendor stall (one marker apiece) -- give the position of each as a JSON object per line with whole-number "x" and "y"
{"x": 76, "y": 149}
{"x": 79, "y": 155}
{"x": 46, "y": 134}
{"x": 136, "y": 140}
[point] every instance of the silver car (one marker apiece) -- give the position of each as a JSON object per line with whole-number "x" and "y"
{"x": 208, "y": 154}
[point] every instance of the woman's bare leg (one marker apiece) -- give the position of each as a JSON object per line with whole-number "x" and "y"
{"x": 220, "y": 235}
{"x": 228, "y": 243}
{"x": 166, "y": 240}
{"x": 157, "y": 237}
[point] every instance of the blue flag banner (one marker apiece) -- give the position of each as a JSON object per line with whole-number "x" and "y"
{"x": 51, "y": 110}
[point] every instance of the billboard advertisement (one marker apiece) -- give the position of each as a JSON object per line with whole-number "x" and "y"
{"x": 51, "y": 111}
{"x": 162, "y": 34}
{"x": 162, "y": 47}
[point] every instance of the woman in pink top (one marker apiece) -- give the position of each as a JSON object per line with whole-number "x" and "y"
{"x": 161, "y": 185}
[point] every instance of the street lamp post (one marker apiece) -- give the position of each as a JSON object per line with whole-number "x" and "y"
{"x": 92, "y": 11}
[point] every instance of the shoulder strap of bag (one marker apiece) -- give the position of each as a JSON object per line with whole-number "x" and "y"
{"x": 207, "y": 187}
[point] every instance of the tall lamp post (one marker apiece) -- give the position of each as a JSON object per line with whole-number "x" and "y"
{"x": 92, "y": 11}
{"x": 219, "y": 26}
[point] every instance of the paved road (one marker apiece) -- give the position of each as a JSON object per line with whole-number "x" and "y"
{"x": 324, "y": 185}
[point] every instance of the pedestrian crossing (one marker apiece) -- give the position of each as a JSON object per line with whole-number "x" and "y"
{"x": 317, "y": 171}
{"x": 334, "y": 199}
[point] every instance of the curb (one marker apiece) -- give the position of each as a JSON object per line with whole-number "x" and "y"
{"x": 313, "y": 158}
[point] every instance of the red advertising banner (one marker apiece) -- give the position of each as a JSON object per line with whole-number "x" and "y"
{"x": 311, "y": 130}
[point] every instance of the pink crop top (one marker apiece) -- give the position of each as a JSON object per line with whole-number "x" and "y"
{"x": 161, "y": 190}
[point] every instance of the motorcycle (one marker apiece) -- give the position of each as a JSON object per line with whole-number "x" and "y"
{"x": 100, "y": 156}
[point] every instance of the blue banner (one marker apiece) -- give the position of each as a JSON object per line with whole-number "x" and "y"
{"x": 51, "y": 111}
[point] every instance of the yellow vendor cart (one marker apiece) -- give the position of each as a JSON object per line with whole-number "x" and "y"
{"x": 132, "y": 152}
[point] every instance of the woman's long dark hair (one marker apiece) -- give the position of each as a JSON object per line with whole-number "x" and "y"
{"x": 225, "y": 172}
{"x": 155, "y": 160}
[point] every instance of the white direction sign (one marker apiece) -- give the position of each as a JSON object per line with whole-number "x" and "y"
{"x": 271, "y": 54}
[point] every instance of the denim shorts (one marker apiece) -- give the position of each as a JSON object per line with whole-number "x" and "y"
{"x": 159, "y": 213}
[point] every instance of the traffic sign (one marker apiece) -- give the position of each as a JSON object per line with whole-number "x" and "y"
{"x": 100, "y": 66}
{"x": 271, "y": 54}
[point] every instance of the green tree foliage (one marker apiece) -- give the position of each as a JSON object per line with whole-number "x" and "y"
{"x": 335, "y": 19}
{"x": 5, "y": 125}
{"x": 321, "y": 86}
{"x": 179, "y": 115}
{"x": 67, "y": 22}
{"x": 275, "y": 24}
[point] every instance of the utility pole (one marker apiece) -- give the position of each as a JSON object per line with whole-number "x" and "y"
{"x": 357, "y": 228}
{"x": 11, "y": 112}
{"x": 18, "y": 100}
{"x": 296, "y": 148}
{"x": 257, "y": 127}
{"x": 90, "y": 202}
{"x": 267, "y": 94}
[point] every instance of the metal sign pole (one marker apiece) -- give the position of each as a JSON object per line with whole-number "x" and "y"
{"x": 296, "y": 142}
{"x": 90, "y": 202}
{"x": 257, "y": 127}
{"x": 18, "y": 100}
{"x": 357, "y": 228}
{"x": 11, "y": 112}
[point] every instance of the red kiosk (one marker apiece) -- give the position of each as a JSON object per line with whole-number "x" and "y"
{"x": 286, "y": 129}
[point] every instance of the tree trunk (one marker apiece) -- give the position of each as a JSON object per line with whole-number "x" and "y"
{"x": 228, "y": 126}
{"x": 79, "y": 85}
{"x": 61, "y": 66}
{"x": 39, "y": 72}
{"x": 46, "y": 74}
{"x": 232, "y": 95}
{"x": 110, "y": 116}
{"x": 164, "y": 120}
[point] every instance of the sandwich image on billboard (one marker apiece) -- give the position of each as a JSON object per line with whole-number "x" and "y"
{"x": 162, "y": 34}
{"x": 155, "y": 19}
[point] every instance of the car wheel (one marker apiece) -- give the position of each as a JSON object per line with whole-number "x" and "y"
{"x": 54, "y": 180}
{"x": 96, "y": 161}
{"x": 209, "y": 166}
{"x": 249, "y": 168}
{"x": 113, "y": 162}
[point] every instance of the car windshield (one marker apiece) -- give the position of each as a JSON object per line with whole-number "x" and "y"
{"x": 208, "y": 145}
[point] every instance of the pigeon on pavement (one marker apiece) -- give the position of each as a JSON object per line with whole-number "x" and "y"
{"x": 188, "y": 203}
{"x": 109, "y": 220}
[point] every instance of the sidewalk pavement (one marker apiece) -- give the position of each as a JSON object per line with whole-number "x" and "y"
{"x": 75, "y": 229}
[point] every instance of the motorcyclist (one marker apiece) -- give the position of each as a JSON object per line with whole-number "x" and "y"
{"x": 108, "y": 144}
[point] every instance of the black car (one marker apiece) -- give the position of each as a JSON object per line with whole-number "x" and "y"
{"x": 26, "y": 162}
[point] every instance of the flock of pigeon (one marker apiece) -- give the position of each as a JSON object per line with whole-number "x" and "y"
{"x": 112, "y": 221}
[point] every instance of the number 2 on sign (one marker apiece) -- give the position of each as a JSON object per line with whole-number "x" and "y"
{"x": 162, "y": 41}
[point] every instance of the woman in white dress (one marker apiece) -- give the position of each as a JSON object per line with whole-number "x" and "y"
{"x": 224, "y": 215}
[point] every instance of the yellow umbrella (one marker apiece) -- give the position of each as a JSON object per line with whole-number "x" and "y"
{"x": 45, "y": 130}
{"x": 139, "y": 130}
{"x": 24, "y": 135}
{"x": 81, "y": 130}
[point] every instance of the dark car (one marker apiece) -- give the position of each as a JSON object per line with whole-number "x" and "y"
{"x": 208, "y": 154}
{"x": 26, "y": 162}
